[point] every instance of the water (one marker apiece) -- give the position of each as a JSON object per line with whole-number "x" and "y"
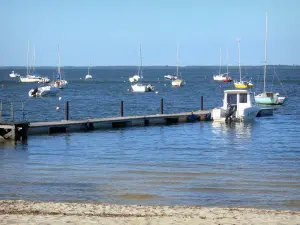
{"x": 211, "y": 164}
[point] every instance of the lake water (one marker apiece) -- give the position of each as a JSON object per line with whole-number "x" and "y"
{"x": 206, "y": 163}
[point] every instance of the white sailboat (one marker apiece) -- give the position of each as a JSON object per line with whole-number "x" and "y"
{"x": 139, "y": 86}
{"x": 241, "y": 84}
{"x": 178, "y": 82}
{"x": 32, "y": 77}
{"x": 268, "y": 97}
{"x": 221, "y": 76}
{"x": 88, "y": 76}
{"x": 59, "y": 83}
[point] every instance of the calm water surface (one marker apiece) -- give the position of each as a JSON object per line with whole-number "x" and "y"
{"x": 211, "y": 164}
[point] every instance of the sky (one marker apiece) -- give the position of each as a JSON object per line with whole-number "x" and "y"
{"x": 110, "y": 32}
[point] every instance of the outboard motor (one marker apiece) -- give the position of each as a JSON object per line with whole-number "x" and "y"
{"x": 34, "y": 92}
{"x": 231, "y": 109}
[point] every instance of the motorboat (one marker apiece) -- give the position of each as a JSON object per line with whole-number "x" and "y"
{"x": 237, "y": 106}
{"x": 13, "y": 74}
{"x": 42, "y": 91}
{"x": 140, "y": 87}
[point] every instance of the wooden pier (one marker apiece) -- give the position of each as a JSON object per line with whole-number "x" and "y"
{"x": 64, "y": 126}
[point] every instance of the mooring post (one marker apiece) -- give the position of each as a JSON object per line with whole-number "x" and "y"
{"x": 201, "y": 102}
{"x": 12, "y": 112}
{"x": 122, "y": 108}
{"x": 162, "y": 106}
{"x": 67, "y": 110}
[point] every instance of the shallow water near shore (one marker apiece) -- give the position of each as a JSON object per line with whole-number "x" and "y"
{"x": 207, "y": 163}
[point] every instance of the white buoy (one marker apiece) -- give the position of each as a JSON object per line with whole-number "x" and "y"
{"x": 59, "y": 98}
{"x": 57, "y": 108}
{"x": 156, "y": 92}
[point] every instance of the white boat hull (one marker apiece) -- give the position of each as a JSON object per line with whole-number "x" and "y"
{"x": 170, "y": 77}
{"x": 60, "y": 84}
{"x": 13, "y": 74}
{"x": 142, "y": 87}
{"x": 88, "y": 77}
{"x": 220, "y": 77}
{"x": 177, "y": 83}
{"x": 43, "y": 91}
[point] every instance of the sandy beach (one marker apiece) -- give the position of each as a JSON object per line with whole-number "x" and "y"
{"x": 30, "y": 212}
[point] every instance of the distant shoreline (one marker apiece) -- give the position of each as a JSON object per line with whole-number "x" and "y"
{"x": 151, "y": 67}
{"x": 34, "y": 212}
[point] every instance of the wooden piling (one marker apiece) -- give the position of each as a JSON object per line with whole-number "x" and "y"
{"x": 162, "y": 106}
{"x": 201, "y": 103}
{"x": 122, "y": 108}
{"x": 67, "y": 110}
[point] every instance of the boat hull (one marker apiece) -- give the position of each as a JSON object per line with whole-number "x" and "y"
{"x": 274, "y": 99}
{"x": 177, "y": 83}
{"x": 142, "y": 87}
{"x": 243, "y": 84}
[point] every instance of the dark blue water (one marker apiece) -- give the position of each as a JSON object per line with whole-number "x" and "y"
{"x": 207, "y": 163}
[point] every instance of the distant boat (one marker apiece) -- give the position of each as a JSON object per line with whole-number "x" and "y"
{"x": 268, "y": 97}
{"x": 178, "y": 82}
{"x": 43, "y": 91}
{"x": 141, "y": 87}
{"x": 242, "y": 84}
{"x": 170, "y": 77}
{"x": 221, "y": 76}
{"x": 227, "y": 78}
{"x": 34, "y": 77}
{"x": 237, "y": 106}
{"x": 13, "y": 74}
{"x": 60, "y": 82}
{"x": 88, "y": 76}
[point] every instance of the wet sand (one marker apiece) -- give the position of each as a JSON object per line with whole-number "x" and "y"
{"x": 30, "y": 212}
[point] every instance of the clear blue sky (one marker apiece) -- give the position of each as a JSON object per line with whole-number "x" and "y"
{"x": 108, "y": 32}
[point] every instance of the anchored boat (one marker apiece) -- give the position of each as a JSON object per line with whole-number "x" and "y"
{"x": 237, "y": 106}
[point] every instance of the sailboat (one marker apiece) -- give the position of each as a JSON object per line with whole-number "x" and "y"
{"x": 88, "y": 76}
{"x": 268, "y": 98}
{"x": 59, "y": 83}
{"x": 241, "y": 83}
{"x": 178, "y": 82}
{"x": 141, "y": 87}
{"x": 221, "y": 76}
{"x": 227, "y": 78}
{"x": 31, "y": 78}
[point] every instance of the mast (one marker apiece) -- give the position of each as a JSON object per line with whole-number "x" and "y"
{"x": 177, "y": 59}
{"x": 239, "y": 61}
{"x": 33, "y": 66}
{"x": 227, "y": 61}
{"x": 28, "y": 45}
{"x": 141, "y": 65}
{"x": 89, "y": 68}
{"x": 265, "y": 68}
{"x": 58, "y": 68}
{"x": 220, "y": 60}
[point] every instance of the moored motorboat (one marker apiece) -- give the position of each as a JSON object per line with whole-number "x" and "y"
{"x": 43, "y": 91}
{"x": 237, "y": 106}
{"x": 140, "y": 87}
{"x": 13, "y": 74}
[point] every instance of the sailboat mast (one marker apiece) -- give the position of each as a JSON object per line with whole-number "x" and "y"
{"x": 33, "y": 66}
{"x": 265, "y": 68}
{"x": 58, "y": 68}
{"x": 239, "y": 61}
{"x": 220, "y": 60}
{"x": 227, "y": 61}
{"x": 177, "y": 59}
{"x": 89, "y": 68}
{"x": 28, "y": 57}
{"x": 141, "y": 66}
